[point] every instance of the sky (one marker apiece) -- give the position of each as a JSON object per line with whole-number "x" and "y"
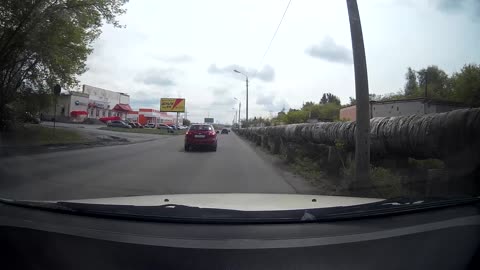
{"x": 189, "y": 49}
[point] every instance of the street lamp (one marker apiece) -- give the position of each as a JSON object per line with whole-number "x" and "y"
{"x": 246, "y": 81}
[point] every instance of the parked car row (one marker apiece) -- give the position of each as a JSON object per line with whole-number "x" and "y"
{"x": 125, "y": 124}
{"x": 165, "y": 126}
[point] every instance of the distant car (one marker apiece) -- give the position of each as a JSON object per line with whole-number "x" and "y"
{"x": 225, "y": 131}
{"x": 118, "y": 123}
{"x": 138, "y": 125}
{"x": 165, "y": 127}
{"x": 201, "y": 135}
{"x": 150, "y": 125}
{"x": 182, "y": 127}
{"x": 132, "y": 125}
{"x": 173, "y": 127}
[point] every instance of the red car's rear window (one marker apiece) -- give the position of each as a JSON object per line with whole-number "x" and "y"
{"x": 201, "y": 127}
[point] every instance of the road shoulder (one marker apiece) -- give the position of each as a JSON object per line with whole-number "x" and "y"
{"x": 297, "y": 182}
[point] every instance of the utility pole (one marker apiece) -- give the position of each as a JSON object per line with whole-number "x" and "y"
{"x": 362, "y": 137}
{"x": 239, "y": 107}
{"x": 426, "y": 81}
{"x": 235, "y": 116}
{"x": 56, "y": 92}
{"x": 246, "y": 80}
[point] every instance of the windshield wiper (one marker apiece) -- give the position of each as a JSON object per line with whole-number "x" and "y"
{"x": 183, "y": 213}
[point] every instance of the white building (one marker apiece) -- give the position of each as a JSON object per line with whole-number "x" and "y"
{"x": 70, "y": 106}
{"x": 106, "y": 103}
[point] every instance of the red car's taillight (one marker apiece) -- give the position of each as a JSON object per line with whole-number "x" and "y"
{"x": 212, "y": 133}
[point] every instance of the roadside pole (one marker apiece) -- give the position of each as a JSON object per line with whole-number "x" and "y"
{"x": 246, "y": 111}
{"x": 362, "y": 138}
{"x": 56, "y": 92}
{"x": 177, "y": 118}
{"x": 239, "y": 107}
{"x": 54, "y": 112}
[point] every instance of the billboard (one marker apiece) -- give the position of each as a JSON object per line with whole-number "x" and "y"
{"x": 208, "y": 120}
{"x": 172, "y": 105}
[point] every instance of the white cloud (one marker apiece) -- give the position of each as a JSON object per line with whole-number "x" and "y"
{"x": 175, "y": 59}
{"x": 157, "y": 77}
{"x": 266, "y": 74}
{"x": 270, "y": 102}
{"x": 330, "y": 51}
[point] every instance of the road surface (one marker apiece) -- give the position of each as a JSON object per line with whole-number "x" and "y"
{"x": 149, "y": 168}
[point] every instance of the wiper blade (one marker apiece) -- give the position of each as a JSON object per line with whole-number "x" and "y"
{"x": 191, "y": 214}
{"x": 36, "y": 204}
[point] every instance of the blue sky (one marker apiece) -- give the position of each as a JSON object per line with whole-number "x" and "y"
{"x": 189, "y": 48}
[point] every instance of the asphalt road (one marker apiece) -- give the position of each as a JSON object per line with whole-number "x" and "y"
{"x": 149, "y": 168}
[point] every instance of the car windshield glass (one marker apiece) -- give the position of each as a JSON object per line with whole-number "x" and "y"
{"x": 201, "y": 127}
{"x": 350, "y": 101}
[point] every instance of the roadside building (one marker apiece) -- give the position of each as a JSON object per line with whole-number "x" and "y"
{"x": 401, "y": 107}
{"x": 145, "y": 116}
{"x": 349, "y": 113}
{"x": 106, "y": 103}
{"x": 132, "y": 116}
{"x": 71, "y": 106}
{"x": 91, "y": 102}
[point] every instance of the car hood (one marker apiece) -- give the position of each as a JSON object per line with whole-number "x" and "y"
{"x": 236, "y": 201}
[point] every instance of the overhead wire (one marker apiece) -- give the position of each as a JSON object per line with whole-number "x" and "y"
{"x": 273, "y": 37}
{"x": 271, "y": 40}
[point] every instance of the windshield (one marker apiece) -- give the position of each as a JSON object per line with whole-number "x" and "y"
{"x": 364, "y": 103}
{"x": 201, "y": 127}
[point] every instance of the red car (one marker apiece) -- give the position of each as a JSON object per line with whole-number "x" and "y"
{"x": 201, "y": 135}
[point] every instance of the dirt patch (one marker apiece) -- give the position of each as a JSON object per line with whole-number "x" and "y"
{"x": 38, "y": 139}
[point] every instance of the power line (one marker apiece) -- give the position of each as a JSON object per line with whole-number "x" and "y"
{"x": 273, "y": 37}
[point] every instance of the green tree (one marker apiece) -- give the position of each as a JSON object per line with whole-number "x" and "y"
{"x": 466, "y": 85}
{"x": 324, "y": 99}
{"x": 296, "y": 116}
{"x": 330, "y": 112}
{"x": 333, "y": 99}
{"x": 411, "y": 86}
{"x": 437, "y": 81}
{"x": 374, "y": 97}
{"x": 45, "y": 42}
{"x": 329, "y": 98}
{"x": 353, "y": 101}
{"x": 308, "y": 105}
